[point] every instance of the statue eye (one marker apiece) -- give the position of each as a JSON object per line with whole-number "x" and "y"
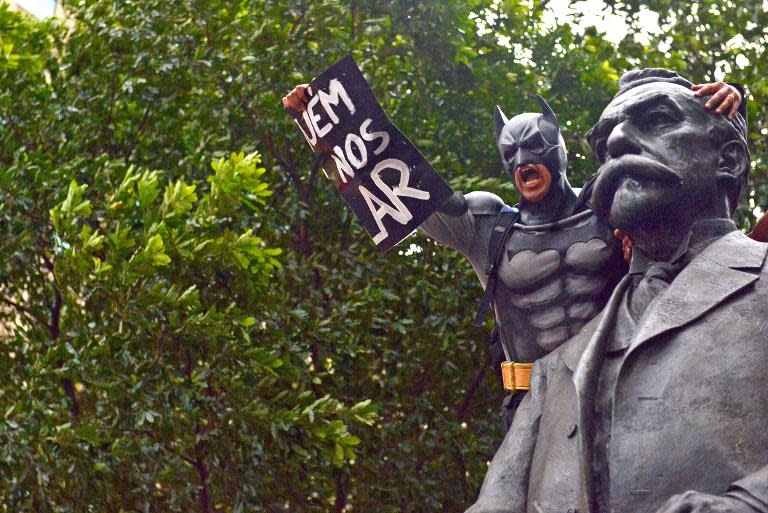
{"x": 658, "y": 119}
{"x": 601, "y": 150}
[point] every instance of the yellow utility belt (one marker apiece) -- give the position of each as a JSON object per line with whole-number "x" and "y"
{"x": 516, "y": 376}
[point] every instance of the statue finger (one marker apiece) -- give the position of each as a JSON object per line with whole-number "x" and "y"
{"x": 678, "y": 507}
{"x": 676, "y": 504}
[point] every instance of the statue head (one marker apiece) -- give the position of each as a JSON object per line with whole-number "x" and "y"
{"x": 665, "y": 161}
{"x": 532, "y": 151}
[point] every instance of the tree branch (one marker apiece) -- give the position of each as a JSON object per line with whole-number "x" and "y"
{"x": 341, "y": 495}
{"x": 202, "y": 474}
{"x": 464, "y": 406}
{"x": 54, "y": 330}
{"x": 285, "y": 164}
{"x": 462, "y": 469}
{"x": 312, "y": 179}
{"x": 204, "y": 496}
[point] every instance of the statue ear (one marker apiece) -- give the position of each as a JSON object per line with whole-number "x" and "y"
{"x": 547, "y": 111}
{"x": 733, "y": 171}
{"x": 500, "y": 120}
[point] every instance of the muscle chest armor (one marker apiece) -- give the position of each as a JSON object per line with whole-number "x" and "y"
{"x": 552, "y": 282}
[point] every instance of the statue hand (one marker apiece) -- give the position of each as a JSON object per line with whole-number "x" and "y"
{"x": 297, "y": 99}
{"x": 723, "y": 96}
{"x": 695, "y": 502}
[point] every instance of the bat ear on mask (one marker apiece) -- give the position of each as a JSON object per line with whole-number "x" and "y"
{"x": 546, "y": 110}
{"x": 551, "y": 132}
{"x": 500, "y": 120}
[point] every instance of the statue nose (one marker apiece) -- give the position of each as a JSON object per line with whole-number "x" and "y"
{"x": 622, "y": 141}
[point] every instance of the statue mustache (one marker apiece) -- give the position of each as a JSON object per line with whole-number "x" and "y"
{"x": 634, "y": 166}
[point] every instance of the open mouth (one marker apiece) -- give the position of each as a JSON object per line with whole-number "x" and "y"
{"x": 533, "y": 181}
{"x": 529, "y": 176}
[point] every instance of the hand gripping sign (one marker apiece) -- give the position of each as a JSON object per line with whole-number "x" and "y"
{"x": 381, "y": 175}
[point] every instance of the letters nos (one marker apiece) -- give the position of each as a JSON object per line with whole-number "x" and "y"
{"x": 355, "y": 155}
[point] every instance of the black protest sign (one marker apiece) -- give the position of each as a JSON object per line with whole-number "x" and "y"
{"x": 381, "y": 175}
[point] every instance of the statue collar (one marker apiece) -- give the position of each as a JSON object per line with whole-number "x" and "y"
{"x": 702, "y": 234}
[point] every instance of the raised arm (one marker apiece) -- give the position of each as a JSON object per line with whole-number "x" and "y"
{"x": 464, "y": 222}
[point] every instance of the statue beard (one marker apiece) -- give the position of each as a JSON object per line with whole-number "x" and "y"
{"x": 641, "y": 197}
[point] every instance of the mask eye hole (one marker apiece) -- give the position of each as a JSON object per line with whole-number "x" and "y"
{"x": 537, "y": 149}
{"x": 535, "y": 145}
{"x": 510, "y": 153}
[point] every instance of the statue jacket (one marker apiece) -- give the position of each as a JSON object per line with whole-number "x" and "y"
{"x": 690, "y": 405}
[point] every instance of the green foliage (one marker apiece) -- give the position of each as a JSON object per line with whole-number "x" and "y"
{"x": 160, "y": 353}
{"x": 156, "y": 371}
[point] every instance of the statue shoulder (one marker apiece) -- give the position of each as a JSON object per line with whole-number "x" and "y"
{"x": 484, "y": 203}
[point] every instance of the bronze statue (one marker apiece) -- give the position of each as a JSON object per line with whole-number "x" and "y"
{"x": 660, "y": 404}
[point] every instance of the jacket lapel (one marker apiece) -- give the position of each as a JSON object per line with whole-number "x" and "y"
{"x": 585, "y": 379}
{"x": 574, "y": 349}
{"x": 711, "y": 278}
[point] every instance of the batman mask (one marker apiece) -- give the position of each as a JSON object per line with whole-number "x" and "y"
{"x": 531, "y": 139}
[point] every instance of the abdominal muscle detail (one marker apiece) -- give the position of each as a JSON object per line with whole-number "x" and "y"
{"x": 555, "y": 285}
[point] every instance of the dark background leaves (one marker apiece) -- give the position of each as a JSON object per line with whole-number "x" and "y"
{"x": 156, "y": 358}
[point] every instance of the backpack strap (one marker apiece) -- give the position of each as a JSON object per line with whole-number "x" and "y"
{"x": 584, "y": 200}
{"x": 502, "y": 229}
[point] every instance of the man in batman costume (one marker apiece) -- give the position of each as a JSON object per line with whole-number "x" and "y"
{"x": 548, "y": 265}
{"x": 558, "y": 263}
